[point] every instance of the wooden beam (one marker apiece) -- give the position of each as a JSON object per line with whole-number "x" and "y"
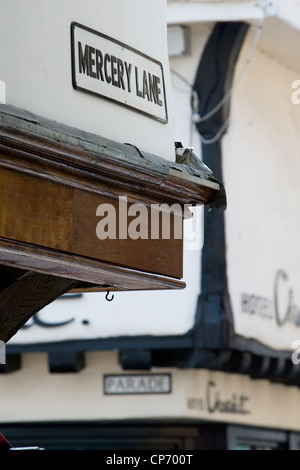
{"x": 27, "y": 257}
{"x": 27, "y": 296}
{"x": 50, "y": 215}
{"x": 79, "y": 160}
{"x": 53, "y": 178}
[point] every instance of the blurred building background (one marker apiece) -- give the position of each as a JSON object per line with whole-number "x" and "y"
{"x": 215, "y": 365}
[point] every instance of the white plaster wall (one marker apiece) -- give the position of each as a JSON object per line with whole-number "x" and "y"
{"x": 261, "y": 162}
{"x": 35, "y": 57}
{"x": 78, "y": 396}
{"x": 197, "y": 395}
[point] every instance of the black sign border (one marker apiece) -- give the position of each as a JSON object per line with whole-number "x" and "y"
{"x": 75, "y": 24}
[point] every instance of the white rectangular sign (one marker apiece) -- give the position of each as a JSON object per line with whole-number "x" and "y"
{"x": 122, "y": 384}
{"x": 2, "y": 353}
{"x": 107, "y": 68}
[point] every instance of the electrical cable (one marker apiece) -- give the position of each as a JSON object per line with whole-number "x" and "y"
{"x": 195, "y": 117}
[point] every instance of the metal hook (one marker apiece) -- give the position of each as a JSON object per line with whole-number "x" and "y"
{"x": 109, "y": 300}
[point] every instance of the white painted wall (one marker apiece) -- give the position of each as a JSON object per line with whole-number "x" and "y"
{"x": 197, "y": 11}
{"x": 197, "y": 395}
{"x": 35, "y": 54}
{"x": 261, "y": 174}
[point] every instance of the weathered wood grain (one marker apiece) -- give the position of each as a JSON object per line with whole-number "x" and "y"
{"x": 36, "y": 211}
{"x": 90, "y": 271}
{"x": 160, "y": 256}
{"x": 27, "y": 296}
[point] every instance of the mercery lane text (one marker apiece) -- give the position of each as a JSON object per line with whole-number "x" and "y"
{"x": 113, "y": 70}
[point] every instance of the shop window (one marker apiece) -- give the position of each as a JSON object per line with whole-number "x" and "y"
{"x": 243, "y": 438}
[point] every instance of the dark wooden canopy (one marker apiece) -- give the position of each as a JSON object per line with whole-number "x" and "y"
{"x": 52, "y": 179}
